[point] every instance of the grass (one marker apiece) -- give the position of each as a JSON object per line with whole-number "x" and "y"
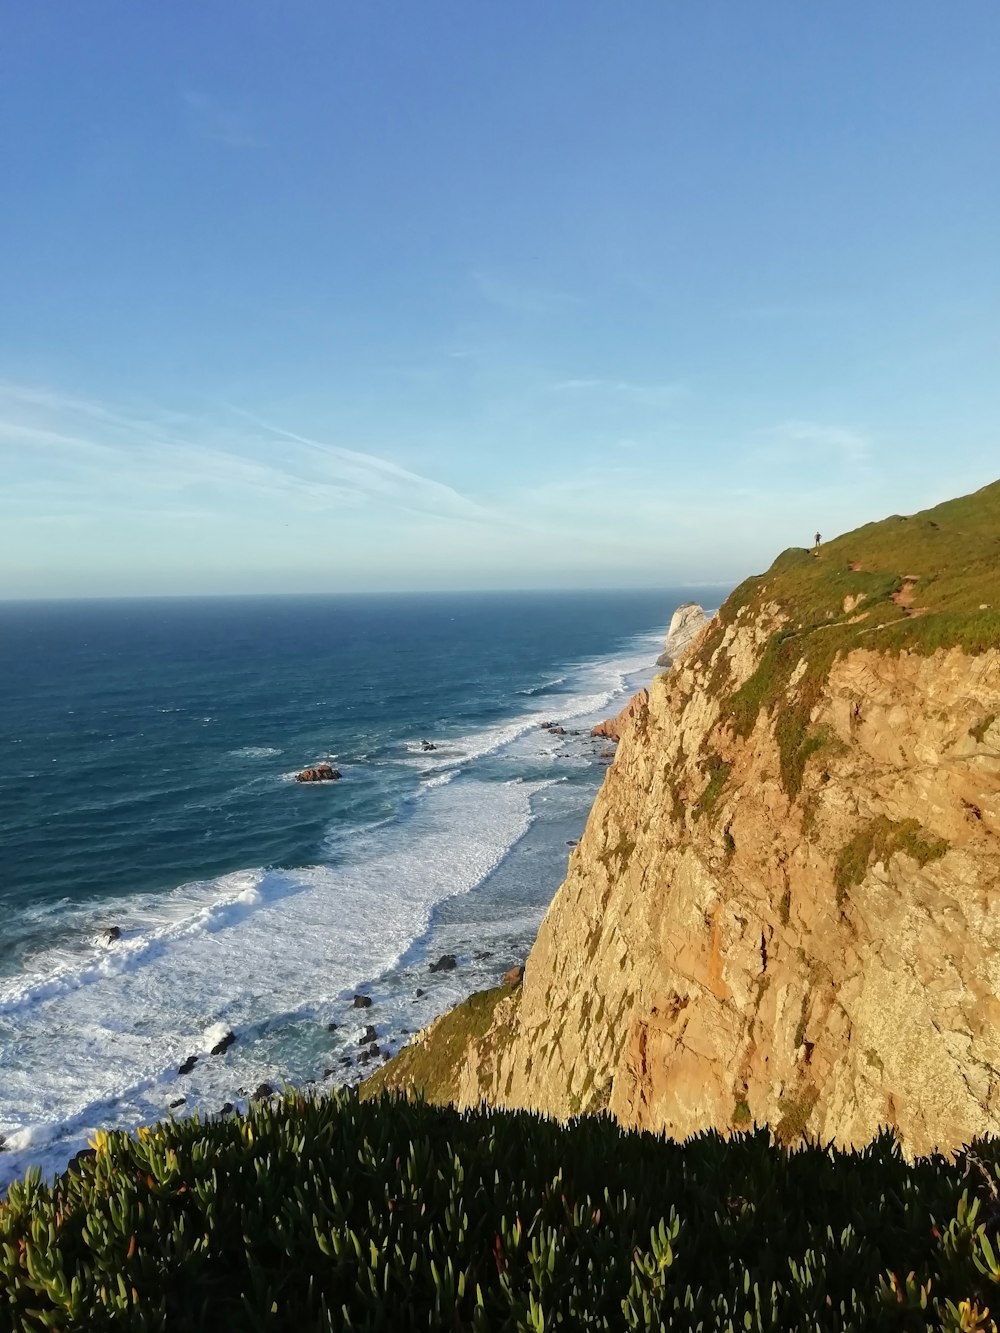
{"x": 795, "y": 1113}
{"x": 431, "y": 1069}
{"x": 949, "y": 555}
{"x": 717, "y": 770}
{"x": 879, "y": 840}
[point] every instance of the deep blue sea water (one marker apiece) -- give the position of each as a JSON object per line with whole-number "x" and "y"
{"x": 147, "y": 761}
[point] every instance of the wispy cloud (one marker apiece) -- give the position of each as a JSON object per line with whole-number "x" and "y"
{"x": 649, "y": 394}
{"x": 812, "y": 437}
{"x": 777, "y": 311}
{"x": 174, "y": 458}
{"x": 210, "y": 119}
{"x": 519, "y": 297}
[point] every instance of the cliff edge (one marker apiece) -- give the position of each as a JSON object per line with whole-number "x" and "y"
{"x": 785, "y": 908}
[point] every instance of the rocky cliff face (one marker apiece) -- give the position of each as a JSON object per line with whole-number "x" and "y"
{"x": 686, "y": 624}
{"x": 786, "y": 904}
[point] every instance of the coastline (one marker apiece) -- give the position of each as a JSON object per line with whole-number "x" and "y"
{"x": 467, "y": 923}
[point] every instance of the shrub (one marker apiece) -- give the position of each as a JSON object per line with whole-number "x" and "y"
{"x": 331, "y": 1213}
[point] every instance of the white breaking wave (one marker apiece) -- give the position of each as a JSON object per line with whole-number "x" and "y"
{"x": 92, "y": 1034}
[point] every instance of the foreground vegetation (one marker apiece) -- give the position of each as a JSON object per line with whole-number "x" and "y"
{"x": 332, "y": 1213}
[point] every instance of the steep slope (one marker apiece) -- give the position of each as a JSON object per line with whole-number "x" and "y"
{"x": 786, "y": 904}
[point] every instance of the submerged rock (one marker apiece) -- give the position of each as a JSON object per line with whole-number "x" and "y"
{"x": 111, "y": 933}
{"x": 362, "y": 1001}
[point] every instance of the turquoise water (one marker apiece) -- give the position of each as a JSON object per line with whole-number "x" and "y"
{"x": 147, "y": 761}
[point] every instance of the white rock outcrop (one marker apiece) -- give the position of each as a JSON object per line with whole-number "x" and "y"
{"x": 685, "y": 624}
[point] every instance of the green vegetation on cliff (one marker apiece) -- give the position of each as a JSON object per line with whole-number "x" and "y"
{"x": 914, "y": 584}
{"x": 337, "y": 1214}
{"x": 431, "y": 1068}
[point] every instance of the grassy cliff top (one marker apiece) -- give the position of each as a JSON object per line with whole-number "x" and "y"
{"x": 918, "y": 583}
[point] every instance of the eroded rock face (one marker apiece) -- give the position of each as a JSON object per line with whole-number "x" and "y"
{"x": 686, "y": 624}
{"x": 613, "y": 727}
{"x": 723, "y": 951}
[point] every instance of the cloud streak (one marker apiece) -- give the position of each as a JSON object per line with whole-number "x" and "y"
{"x": 69, "y": 446}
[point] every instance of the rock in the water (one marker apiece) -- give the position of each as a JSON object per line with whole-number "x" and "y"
{"x": 111, "y": 933}
{"x": 262, "y": 1092}
{"x": 446, "y": 963}
{"x": 81, "y": 1156}
{"x": 427, "y": 745}
{"x": 368, "y": 1035}
{"x": 320, "y": 773}
{"x": 685, "y": 624}
{"x": 614, "y": 726}
{"x": 418, "y": 992}
{"x": 514, "y": 977}
{"x": 331, "y": 1027}
{"x": 225, "y": 1108}
{"x": 362, "y": 1001}
{"x": 178, "y": 1101}
{"x": 188, "y": 1065}
{"x": 222, "y": 1046}
{"x": 3, "y": 1144}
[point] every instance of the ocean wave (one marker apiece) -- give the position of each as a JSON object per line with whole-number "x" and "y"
{"x": 94, "y": 1034}
{"x": 109, "y": 1029}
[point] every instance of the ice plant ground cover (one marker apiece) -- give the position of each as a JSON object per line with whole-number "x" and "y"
{"x": 332, "y": 1213}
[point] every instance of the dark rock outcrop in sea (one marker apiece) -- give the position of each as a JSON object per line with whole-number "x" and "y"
{"x": 320, "y": 773}
{"x": 446, "y": 963}
{"x": 188, "y": 1065}
{"x": 362, "y": 1002}
{"x": 222, "y": 1046}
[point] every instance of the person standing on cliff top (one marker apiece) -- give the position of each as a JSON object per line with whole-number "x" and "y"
{"x": 818, "y": 540}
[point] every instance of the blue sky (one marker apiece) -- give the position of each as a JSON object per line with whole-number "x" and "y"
{"x": 324, "y": 296}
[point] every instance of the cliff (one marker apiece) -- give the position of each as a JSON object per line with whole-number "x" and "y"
{"x": 785, "y": 908}
{"x": 613, "y": 727}
{"x": 686, "y": 624}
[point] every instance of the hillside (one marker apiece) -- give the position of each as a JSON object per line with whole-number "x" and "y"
{"x": 784, "y": 906}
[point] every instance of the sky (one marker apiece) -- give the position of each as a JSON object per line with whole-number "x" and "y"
{"x": 316, "y": 296}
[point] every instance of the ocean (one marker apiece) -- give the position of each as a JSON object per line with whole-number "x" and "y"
{"x": 147, "y": 759}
